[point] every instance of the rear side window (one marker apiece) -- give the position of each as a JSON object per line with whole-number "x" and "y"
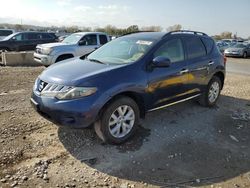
{"x": 195, "y": 48}
{"x": 46, "y": 36}
{"x": 172, "y": 49}
{"x": 209, "y": 43}
{"x": 103, "y": 39}
{"x": 32, "y": 36}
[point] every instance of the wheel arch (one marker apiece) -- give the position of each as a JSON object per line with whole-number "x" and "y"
{"x": 221, "y": 76}
{"x": 69, "y": 55}
{"x": 131, "y": 94}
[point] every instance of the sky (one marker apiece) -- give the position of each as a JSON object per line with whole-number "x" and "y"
{"x": 210, "y": 16}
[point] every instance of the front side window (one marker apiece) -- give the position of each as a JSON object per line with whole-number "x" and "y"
{"x": 123, "y": 50}
{"x": 172, "y": 50}
{"x": 18, "y": 37}
{"x": 195, "y": 47}
{"x": 90, "y": 40}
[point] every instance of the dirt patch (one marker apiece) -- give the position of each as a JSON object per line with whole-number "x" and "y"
{"x": 184, "y": 145}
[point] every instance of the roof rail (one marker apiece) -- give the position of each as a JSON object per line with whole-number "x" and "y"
{"x": 135, "y": 32}
{"x": 185, "y": 31}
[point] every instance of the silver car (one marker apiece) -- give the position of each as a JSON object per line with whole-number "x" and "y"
{"x": 238, "y": 50}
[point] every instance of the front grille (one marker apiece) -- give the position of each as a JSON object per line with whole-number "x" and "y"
{"x": 39, "y": 50}
{"x": 55, "y": 88}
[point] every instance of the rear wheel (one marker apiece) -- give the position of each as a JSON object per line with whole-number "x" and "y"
{"x": 212, "y": 93}
{"x": 245, "y": 55}
{"x": 4, "y": 49}
{"x": 118, "y": 121}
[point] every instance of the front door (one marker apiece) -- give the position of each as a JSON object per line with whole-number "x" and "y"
{"x": 166, "y": 85}
{"x": 89, "y": 45}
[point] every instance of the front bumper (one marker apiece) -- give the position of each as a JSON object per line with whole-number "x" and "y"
{"x": 43, "y": 59}
{"x": 78, "y": 113}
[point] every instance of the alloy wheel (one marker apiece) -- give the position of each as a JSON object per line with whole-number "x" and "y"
{"x": 121, "y": 121}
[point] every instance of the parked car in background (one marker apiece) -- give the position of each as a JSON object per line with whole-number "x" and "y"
{"x": 118, "y": 83}
{"x": 77, "y": 44}
{"x": 61, "y": 38}
{"x": 230, "y": 42}
{"x": 5, "y": 32}
{"x": 238, "y": 50}
{"x": 26, "y": 41}
{"x": 222, "y": 46}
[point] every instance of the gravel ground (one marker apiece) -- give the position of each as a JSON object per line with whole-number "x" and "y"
{"x": 182, "y": 146}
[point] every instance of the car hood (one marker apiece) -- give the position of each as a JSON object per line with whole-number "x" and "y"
{"x": 53, "y": 45}
{"x": 74, "y": 72}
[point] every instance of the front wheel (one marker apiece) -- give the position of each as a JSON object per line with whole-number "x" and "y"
{"x": 118, "y": 121}
{"x": 212, "y": 93}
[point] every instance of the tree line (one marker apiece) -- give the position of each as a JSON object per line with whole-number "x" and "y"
{"x": 110, "y": 29}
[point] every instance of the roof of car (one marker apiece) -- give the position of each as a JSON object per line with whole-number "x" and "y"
{"x": 84, "y": 33}
{"x": 151, "y": 35}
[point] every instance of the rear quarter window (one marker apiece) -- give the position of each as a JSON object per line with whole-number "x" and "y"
{"x": 47, "y": 36}
{"x": 209, "y": 44}
{"x": 195, "y": 47}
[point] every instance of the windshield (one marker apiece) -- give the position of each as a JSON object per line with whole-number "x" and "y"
{"x": 72, "y": 39}
{"x": 123, "y": 50}
{"x": 10, "y": 36}
{"x": 239, "y": 46}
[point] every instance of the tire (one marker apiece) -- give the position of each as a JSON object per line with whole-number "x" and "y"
{"x": 4, "y": 50}
{"x": 212, "y": 93}
{"x": 245, "y": 55}
{"x": 63, "y": 57}
{"x": 118, "y": 121}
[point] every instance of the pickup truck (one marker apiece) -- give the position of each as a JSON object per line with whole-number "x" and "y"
{"x": 77, "y": 44}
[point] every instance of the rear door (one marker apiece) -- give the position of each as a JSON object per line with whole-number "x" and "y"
{"x": 198, "y": 63}
{"x": 102, "y": 39}
{"x": 90, "y": 44}
{"x": 248, "y": 50}
{"x": 47, "y": 37}
{"x": 32, "y": 39}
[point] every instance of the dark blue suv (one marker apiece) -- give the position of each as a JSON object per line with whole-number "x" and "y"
{"x": 113, "y": 87}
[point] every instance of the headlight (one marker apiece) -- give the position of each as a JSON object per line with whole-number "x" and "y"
{"x": 70, "y": 93}
{"x": 36, "y": 84}
{"x": 46, "y": 51}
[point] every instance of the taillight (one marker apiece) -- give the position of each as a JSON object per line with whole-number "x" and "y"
{"x": 225, "y": 59}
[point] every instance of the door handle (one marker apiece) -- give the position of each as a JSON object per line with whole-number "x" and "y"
{"x": 183, "y": 71}
{"x": 211, "y": 63}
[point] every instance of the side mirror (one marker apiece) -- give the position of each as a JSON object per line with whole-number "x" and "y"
{"x": 13, "y": 38}
{"x": 161, "y": 61}
{"x": 82, "y": 43}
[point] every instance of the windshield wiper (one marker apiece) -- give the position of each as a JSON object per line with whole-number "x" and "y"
{"x": 96, "y": 60}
